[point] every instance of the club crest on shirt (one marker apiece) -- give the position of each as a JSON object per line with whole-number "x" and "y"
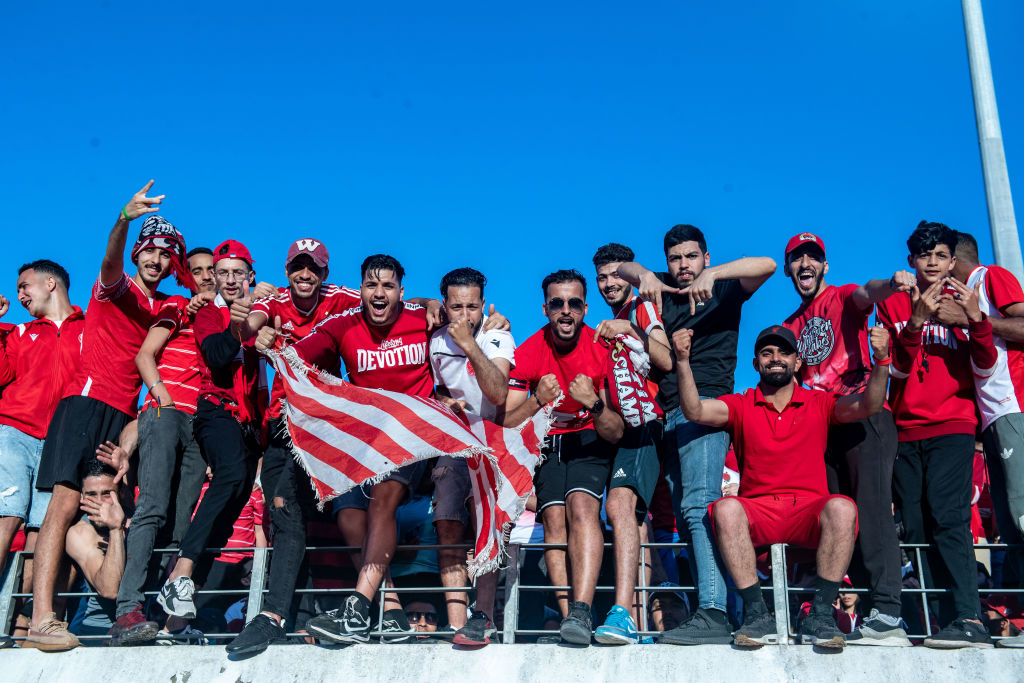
{"x": 817, "y": 338}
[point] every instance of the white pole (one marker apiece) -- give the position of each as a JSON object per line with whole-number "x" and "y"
{"x": 1005, "y": 240}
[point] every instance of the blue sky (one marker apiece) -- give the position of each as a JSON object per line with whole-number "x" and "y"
{"x": 513, "y": 138}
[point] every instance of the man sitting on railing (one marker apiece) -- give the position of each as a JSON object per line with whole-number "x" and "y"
{"x": 780, "y": 431}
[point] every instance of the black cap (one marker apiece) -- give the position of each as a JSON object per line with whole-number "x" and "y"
{"x": 776, "y": 334}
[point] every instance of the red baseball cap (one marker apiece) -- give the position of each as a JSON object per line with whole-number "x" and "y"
{"x": 311, "y": 247}
{"x": 803, "y": 238}
{"x": 232, "y": 249}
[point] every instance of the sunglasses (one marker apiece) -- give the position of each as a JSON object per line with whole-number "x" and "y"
{"x": 429, "y": 617}
{"x": 575, "y": 304}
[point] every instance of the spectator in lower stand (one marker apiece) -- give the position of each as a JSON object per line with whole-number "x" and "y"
{"x": 932, "y": 398}
{"x": 831, "y": 331}
{"x": 847, "y": 609}
{"x": 97, "y": 545}
{"x": 636, "y": 468}
{"x": 780, "y": 431}
{"x": 169, "y": 365}
{"x": 471, "y": 367}
{"x": 103, "y": 396}
{"x": 423, "y": 617}
{"x": 1000, "y": 396}
{"x": 37, "y": 362}
{"x": 564, "y": 356}
{"x": 232, "y": 400}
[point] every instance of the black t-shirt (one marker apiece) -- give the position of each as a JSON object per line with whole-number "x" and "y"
{"x": 715, "y": 328}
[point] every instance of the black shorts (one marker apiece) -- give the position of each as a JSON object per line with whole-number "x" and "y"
{"x": 636, "y": 464}
{"x": 79, "y": 425}
{"x": 577, "y": 461}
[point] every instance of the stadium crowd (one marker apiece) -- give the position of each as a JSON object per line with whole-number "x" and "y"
{"x": 856, "y": 438}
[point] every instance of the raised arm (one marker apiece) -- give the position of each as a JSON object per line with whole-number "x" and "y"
{"x": 876, "y": 291}
{"x": 751, "y": 271}
{"x": 706, "y": 411}
{"x": 869, "y": 401}
{"x": 647, "y": 284}
{"x": 103, "y": 570}
{"x": 491, "y": 374}
{"x": 112, "y": 266}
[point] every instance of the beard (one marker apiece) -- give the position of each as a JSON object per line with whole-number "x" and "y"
{"x": 776, "y": 378}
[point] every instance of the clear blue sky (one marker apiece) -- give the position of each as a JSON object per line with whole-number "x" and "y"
{"x": 516, "y": 138}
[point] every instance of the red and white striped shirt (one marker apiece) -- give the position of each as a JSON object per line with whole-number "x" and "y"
{"x": 1002, "y": 392}
{"x": 179, "y": 360}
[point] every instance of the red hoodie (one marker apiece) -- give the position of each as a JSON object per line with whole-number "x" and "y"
{"x": 932, "y": 390}
{"x": 39, "y": 360}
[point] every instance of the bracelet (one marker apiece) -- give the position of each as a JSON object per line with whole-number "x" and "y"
{"x": 124, "y": 213}
{"x": 538, "y": 401}
{"x": 887, "y": 361}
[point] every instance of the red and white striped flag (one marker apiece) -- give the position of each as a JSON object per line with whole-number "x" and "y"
{"x": 344, "y": 435}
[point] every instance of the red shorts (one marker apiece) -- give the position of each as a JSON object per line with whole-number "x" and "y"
{"x": 782, "y": 518}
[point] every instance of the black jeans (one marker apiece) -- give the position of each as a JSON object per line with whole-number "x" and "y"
{"x": 283, "y": 478}
{"x": 860, "y": 459}
{"x": 932, "y": 484}
{"x": 169, "y": 461}
{"x": 232, "y": 459}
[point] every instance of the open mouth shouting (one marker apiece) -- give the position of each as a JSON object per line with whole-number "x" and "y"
{"x": 806, "y": 277}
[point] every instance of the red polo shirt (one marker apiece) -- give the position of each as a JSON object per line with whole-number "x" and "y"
{"x": 781, "y": 452}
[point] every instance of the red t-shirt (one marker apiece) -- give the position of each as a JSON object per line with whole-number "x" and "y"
{"x": 116, "y": 324}
{"x": 178, "y": 363}
{"x": 537, "y": 357}
{"x": 296, "y": 324}
{"x": 831, "y": 335}
{"x": 239, "y": 387}
{"x": 392, "y": 358}
{"x": 781, "y": 452}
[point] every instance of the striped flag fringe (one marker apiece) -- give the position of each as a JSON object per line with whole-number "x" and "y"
{"x": 344, "y": 436}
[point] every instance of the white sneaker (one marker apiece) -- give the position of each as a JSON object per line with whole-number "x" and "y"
{"x": 176, "y": 598}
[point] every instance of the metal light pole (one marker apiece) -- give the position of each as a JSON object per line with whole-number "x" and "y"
{"x": 1005, "y": 241}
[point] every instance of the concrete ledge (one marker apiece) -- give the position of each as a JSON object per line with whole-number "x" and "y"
{"x": 521, "y": 663}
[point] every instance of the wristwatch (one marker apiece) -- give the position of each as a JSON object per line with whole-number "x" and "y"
{"x": 597, "y": 408}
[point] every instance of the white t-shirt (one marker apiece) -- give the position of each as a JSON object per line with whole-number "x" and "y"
{"x": 453, "y": 370}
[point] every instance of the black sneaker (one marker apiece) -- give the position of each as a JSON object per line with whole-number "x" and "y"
{"x": 960, "y": 633}
{"x": 756, "y": 631}
{"x": 821, "y": 630}
{"x": 256, "y": 637}
{"x": 700, "y": 628}
{"x": 577, "y": 628}
{"x": 132, "y": 628}
{"x": 395, "y": 627}
{"x": 6, "y": 642}
{"x": 879, "y": 629}
{"x": 477, "y": 630}
{"x": 351, "y": 624}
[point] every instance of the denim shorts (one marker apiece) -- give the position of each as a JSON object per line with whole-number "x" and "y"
{"x": 19, "y": 467}
{"x": 359, "y": 497}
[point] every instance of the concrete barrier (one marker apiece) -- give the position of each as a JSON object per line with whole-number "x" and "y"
{"x": 520, "y": 663}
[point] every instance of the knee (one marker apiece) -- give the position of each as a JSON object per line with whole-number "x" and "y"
{"x": 581, "y": 506}
{"x": 620, "y": 507}
{"x": 729, "y": 515}
{"x": 839, "y": 513}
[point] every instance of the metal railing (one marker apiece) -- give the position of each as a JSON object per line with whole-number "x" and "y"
{"x": 513, "y": 587}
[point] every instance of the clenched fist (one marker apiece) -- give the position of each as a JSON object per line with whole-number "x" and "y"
{"x": 681, "y": 340}
{"x": 878, "y": 336}
{"x": 582, "y": 390}
{"x": 240, "y": 309}
{"x": 547, "y": 389}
